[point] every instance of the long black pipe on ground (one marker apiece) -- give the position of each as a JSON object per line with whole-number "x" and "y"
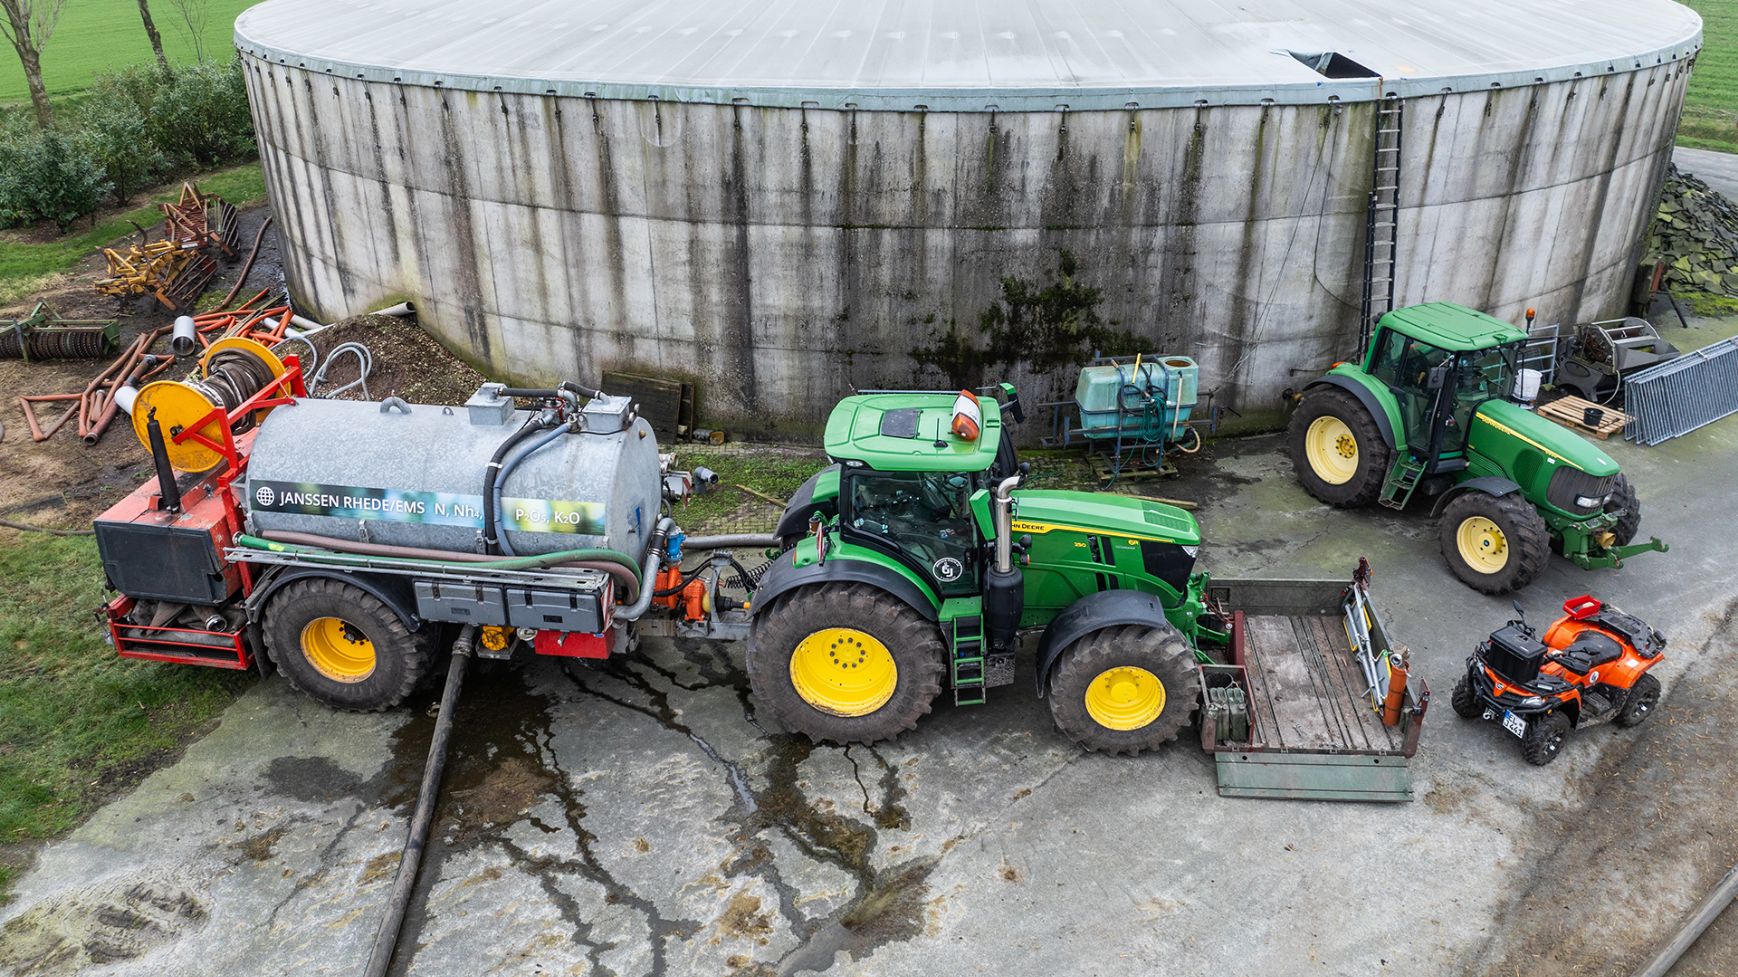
{"x": 386, "y": 939}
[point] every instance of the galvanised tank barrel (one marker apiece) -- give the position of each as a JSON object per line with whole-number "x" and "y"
{"x": 413, "y": 475}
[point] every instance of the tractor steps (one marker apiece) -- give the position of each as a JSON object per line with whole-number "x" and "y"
{"x": 967, "y": 673}
{"x": 1401, "y": 482}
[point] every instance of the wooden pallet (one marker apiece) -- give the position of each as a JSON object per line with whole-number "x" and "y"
{"x": 1568, "y": 411}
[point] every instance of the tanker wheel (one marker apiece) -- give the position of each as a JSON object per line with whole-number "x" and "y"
{"x": 1124, "y": 689}
{"x": 343, "y": 646}
{"x": 1628, "y": 509}
{"x": 845, "y": 663}
{"x": 1337, "y": 449}
{"x": 1494, "y": 544}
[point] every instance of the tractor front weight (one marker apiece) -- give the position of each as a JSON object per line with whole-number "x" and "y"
{"x": 1582, "y": 545}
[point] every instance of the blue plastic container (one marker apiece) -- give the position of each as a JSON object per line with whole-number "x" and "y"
{"x": 1150, "y": 401}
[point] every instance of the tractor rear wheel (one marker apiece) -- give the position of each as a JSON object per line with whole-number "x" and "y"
{"x": 845, "y": 663}
{"x": 343, "y": 646}
{"x": 1544, "y": 739}
{"x": 1337, "y": 449}
{"x": 1124, "y": 689}
{"x": 1644, "y": 695}
{"x": 1627, "y": 507}
{"x": 1494, "y": 544}
{"x": 1465, "y": 701}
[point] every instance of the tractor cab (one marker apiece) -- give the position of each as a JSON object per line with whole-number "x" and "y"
{"x": 1442, "y": 362}
{"x": 907, "y": 479}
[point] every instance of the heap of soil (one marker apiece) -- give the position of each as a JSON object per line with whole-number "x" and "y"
{"x": 408, "y": 362}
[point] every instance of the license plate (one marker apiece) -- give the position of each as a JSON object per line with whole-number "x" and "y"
{"x": 1514, "y": 724}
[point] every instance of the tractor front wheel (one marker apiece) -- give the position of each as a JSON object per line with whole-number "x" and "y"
{"x": 845, "y": 663}
{"x": 1628, "y": 509}
{"x": 1124, "y": 689}
{"x": 343, "y": 646}
{"x": 1494, "y": 544}
{"x": 1337, "y": 449}
{"x": 1545, "y": 737}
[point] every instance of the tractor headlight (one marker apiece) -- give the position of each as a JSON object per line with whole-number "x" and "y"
{"x": 1532, "y": 701}
{"x": 1591, "y": 501}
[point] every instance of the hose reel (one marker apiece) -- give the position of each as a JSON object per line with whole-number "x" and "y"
{"x": 231, "y": 372}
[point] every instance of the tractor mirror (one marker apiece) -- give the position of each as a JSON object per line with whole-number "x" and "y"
{"x": 1437, "y": 377}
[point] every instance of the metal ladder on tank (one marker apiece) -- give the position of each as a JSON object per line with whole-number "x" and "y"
{"x": 1382, "y": 219}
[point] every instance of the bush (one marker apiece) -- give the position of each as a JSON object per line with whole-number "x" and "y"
{"x": 114, "y": 133}
{"x": 201, "y": 114}
{"x": 45, "y": 176}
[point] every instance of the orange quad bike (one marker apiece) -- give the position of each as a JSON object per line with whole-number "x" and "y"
{"x": 1591, "y": 666}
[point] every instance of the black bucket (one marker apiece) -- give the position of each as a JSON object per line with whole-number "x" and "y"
{"x": 1592, "y": 416}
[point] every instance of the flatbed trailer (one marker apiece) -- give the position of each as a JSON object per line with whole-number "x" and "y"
{"x": 1311, "y": 727}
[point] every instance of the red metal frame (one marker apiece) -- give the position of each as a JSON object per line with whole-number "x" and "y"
{"x": 170, "y": 638}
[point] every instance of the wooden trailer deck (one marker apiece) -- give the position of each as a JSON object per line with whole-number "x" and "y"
{"x": 1312, "y": 729}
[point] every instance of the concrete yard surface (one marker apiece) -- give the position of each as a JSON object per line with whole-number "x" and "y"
{"x": 642, "y": 818}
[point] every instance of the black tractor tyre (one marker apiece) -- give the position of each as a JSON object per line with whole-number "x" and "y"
{"x": 1465, "y": 701}
{"x": 1157, "y": 648}
{"x": 1644, "y": 697}
{"x": 1525, "y": 535}
{"x": 1545, "y": 737}
{"x": 919, "y": 656}
{"x": 1374, "y": 455}
{"x": 1628, "y": 509}
{"x": 401, "y": 657}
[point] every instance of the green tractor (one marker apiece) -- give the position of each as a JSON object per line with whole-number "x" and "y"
{"x": 915, "y": 562}
{"x": 1428, "y": 410}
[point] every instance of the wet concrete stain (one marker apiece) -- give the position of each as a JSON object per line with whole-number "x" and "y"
{"x": 315, "y": 780}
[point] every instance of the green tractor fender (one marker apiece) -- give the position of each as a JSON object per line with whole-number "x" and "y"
{"x": 1376, "y": 398}
{"x": 1094, "y": 612}
{"x": 1488, "y": 484}
{"x": 785, "y": 576}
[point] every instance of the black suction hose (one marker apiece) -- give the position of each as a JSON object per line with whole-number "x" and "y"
{"x": 386, "y": 939}
{"x": 493, "y": 472}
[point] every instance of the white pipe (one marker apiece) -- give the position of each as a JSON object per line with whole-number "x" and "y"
{"x": 125, "y": 396}
{"x": 402, "y": 310}
{"x": 184, "y": 338}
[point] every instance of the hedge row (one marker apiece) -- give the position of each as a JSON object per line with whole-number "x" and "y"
{"x": 135, "y": 127}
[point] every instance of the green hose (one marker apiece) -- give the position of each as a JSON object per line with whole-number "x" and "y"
{"x": 511, "y": 563}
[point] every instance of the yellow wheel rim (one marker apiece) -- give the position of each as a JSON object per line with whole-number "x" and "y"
{"x": 844, "y": 671}
{"x": 1482, "y": 544}
{"x": 1332, "y": 450}
{"x": 338, "y": 649}
{"x": 1125, "y": 697}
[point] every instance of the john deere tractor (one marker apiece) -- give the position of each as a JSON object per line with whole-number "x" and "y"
{"x": 916, "y": 562}
{"x": 1428, "y": 411}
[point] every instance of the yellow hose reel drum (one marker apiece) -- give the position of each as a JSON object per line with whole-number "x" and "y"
{"x": 232, "y": 370}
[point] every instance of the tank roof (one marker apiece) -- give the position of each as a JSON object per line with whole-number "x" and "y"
{"x": 970, "y": 55}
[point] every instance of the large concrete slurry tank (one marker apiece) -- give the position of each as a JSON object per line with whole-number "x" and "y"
{"x": 785, "y": 201}
{"x": 414, "y": 475}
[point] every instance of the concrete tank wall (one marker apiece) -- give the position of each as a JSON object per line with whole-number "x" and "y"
{"x": 779, "y": 256}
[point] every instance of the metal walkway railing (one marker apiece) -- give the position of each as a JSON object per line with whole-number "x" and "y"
{"x": 1681, "y": 395}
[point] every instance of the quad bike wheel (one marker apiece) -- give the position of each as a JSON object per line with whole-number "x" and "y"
{"x": 1644, "y": 695}
{"x": 1337, "y": 449}
{"x": 1628, "y": 508}
{"x": 1494, "y": 544}
{"x": 1545, "y": 737}
{"x": 343, "y": 646}
{"x": 1465, "y": 701}
{"x": 1124, "y": 689}
{"x": 845, "y": 663}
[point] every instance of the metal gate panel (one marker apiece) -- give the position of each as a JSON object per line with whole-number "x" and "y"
{"x": 1677, "y": 397}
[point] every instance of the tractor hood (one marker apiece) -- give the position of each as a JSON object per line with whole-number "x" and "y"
{"x": 1042, "y": 511}
{"x": 1504, "y": 432}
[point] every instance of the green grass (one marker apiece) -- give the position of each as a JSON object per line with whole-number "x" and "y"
{"x": 78, "y": 723}
{"x": 1711, "y": 106}
{"x": 96, "y": 36}
{"x": 25, "y": 267}
{"x": 772, "y": 472}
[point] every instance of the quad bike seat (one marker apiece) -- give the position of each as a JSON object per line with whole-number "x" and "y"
{"x": 1597, "y": 648}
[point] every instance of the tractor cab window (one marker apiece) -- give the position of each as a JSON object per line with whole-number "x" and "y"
{"x": 924, "y": 516}
{"x": 1404, "y": 364}
{"x": 1481, "y": 375}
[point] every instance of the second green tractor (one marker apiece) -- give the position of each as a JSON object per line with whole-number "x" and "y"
{"x": 1428, "y": 412}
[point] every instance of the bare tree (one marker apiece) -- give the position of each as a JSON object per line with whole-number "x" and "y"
{"x": 194, "y": 16}
{"x": 28, "y": 25}
{"x": 151, "y": 32}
